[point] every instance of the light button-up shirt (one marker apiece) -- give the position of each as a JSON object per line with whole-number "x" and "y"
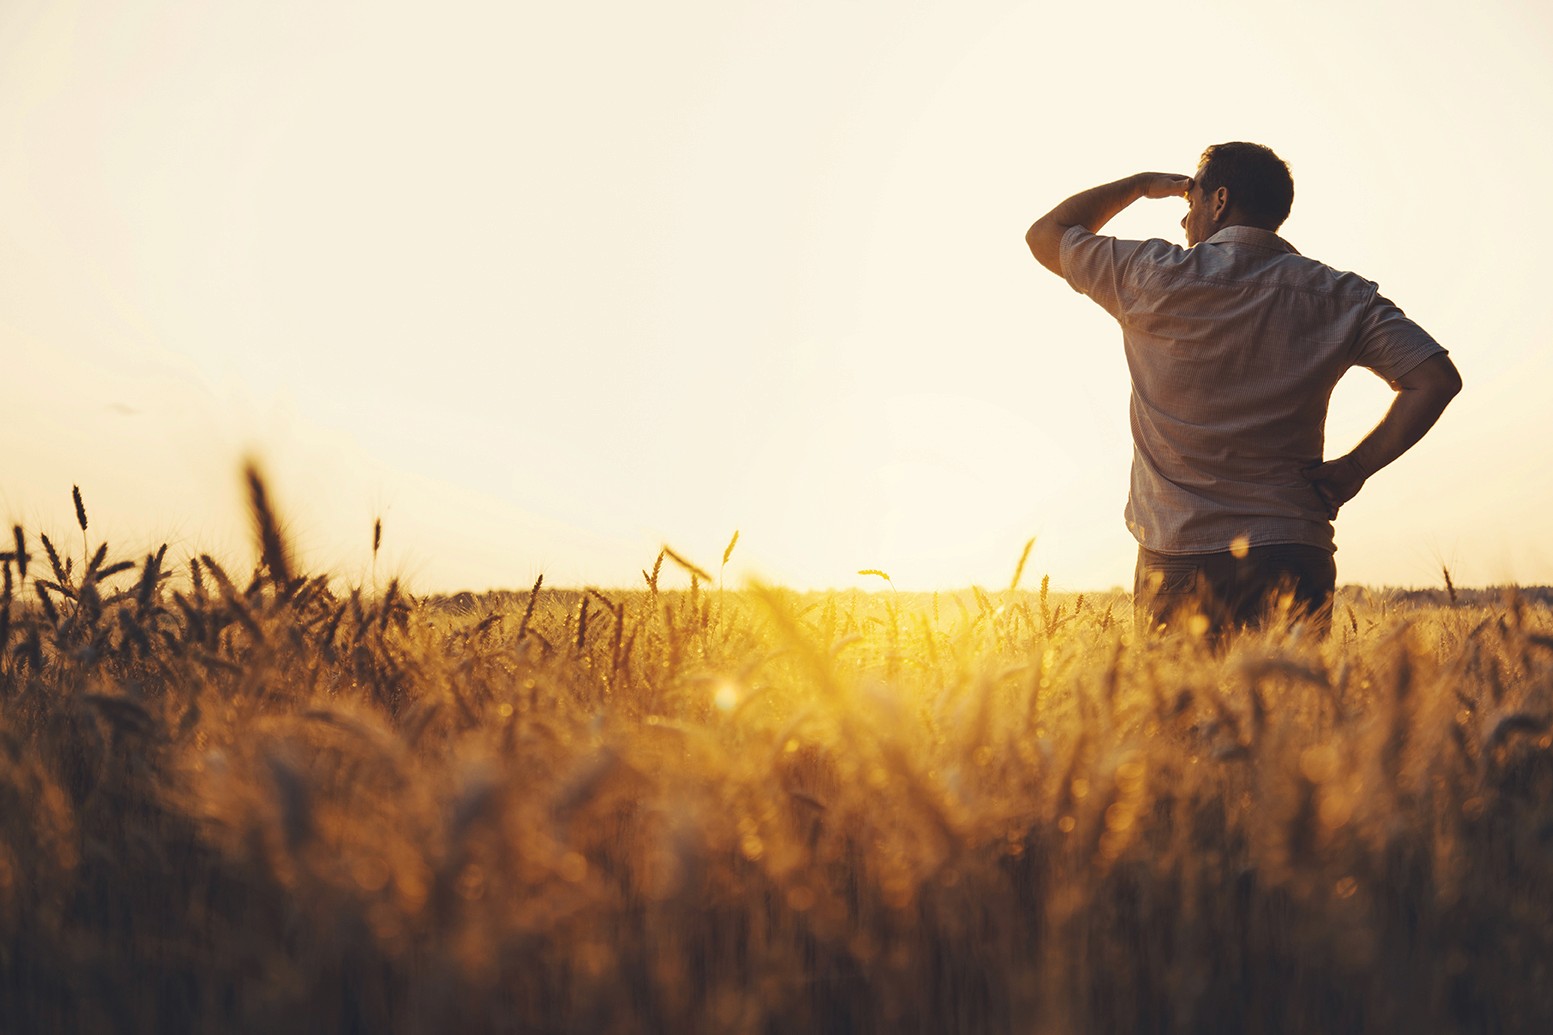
{"x": 1234, "y": 347}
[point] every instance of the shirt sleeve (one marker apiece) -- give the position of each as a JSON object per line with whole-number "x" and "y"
{"x": 1390, "y": 344}
{"x": 1098, "y": 266}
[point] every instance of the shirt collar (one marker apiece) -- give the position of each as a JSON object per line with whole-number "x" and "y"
{"x": 1254, "y": 236}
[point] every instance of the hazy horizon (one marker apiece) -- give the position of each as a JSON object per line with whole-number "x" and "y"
{"x": 547, "y": 288}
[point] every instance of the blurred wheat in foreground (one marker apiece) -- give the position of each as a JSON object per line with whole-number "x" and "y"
{"x": 272, "y": 803}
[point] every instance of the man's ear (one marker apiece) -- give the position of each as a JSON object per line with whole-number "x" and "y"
{"x": 1220, "y": 203}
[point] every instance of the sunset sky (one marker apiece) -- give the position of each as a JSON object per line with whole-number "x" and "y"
{"x": 548, "y": 285}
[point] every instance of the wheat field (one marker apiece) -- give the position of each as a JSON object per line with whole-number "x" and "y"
{"x": 275, "y": 802}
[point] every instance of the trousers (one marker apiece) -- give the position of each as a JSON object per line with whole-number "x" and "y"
{"x": 1235, "y": 592}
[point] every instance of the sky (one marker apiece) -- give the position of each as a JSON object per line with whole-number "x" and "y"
{"x": 547, "y": 286}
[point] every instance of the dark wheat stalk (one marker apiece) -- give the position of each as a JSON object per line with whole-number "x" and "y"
{"x": 528, "y": 612}
{"x": 695, "y": 570}
{"x": 377, "y": 542}
{"x": 272, "y": 548}
{"x": 150, "y": 578}
{"x": 60, "y": 574}
{"x": 5, "y": 610}
{"x": 218, "y": 573}
{"x": 390, "y": 603}
{"x": 92, "y": 573}
{"x": 21, "y": 552}
{"x": 80, "y": 515}
{"x": 48, "y": 605}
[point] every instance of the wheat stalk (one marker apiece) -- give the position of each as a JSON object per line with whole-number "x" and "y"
{"x": 21, "y": 552}
{"x": 1019, "y": 569}
{"x": 80, "y": 515}
{"x": 695, "y": 571}
{"x": 879, "y": 574}
{"x": 272, "y": 547}
{"x": 528, "y": 612}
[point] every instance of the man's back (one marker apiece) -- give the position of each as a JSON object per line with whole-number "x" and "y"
{"x": 1235, "y": 343}
{"x": 1234, "y": 347}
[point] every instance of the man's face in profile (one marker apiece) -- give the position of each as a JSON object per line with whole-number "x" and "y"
{"x": 1198, "y": 221}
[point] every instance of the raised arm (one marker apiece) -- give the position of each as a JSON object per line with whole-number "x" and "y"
{"x": 1422, "y": 395}
{"x": 1094, "y": 208}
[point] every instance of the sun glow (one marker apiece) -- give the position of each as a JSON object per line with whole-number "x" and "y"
{"x": 642, "y": 283}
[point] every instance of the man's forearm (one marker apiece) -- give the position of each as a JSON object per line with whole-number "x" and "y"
{"x": 1422, "y": 394}
{"x": 1093, "y": 209}
{"x": 1411, "y": 415}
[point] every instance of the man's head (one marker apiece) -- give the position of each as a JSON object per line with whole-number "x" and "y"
{"x": 1237, "y": 184}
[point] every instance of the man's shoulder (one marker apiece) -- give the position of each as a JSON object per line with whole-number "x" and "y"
{"x": 1106, "y": 268}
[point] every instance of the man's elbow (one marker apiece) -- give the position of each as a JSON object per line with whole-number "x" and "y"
{"x": 1436, "y": 378}
{"x": 1451, "y": 380}
{"x": 1045, "y": 241}
{"x": 1445, "y": 381}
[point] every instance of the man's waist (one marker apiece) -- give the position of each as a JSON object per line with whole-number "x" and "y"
{"x": 1238, "y": 544}
{"x": 1181, "y": 521}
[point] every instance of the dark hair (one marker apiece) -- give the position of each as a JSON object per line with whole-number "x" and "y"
{"x": 1258, "y": 180}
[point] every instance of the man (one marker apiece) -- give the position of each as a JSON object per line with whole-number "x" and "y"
{"x": 1234, "y": 344}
